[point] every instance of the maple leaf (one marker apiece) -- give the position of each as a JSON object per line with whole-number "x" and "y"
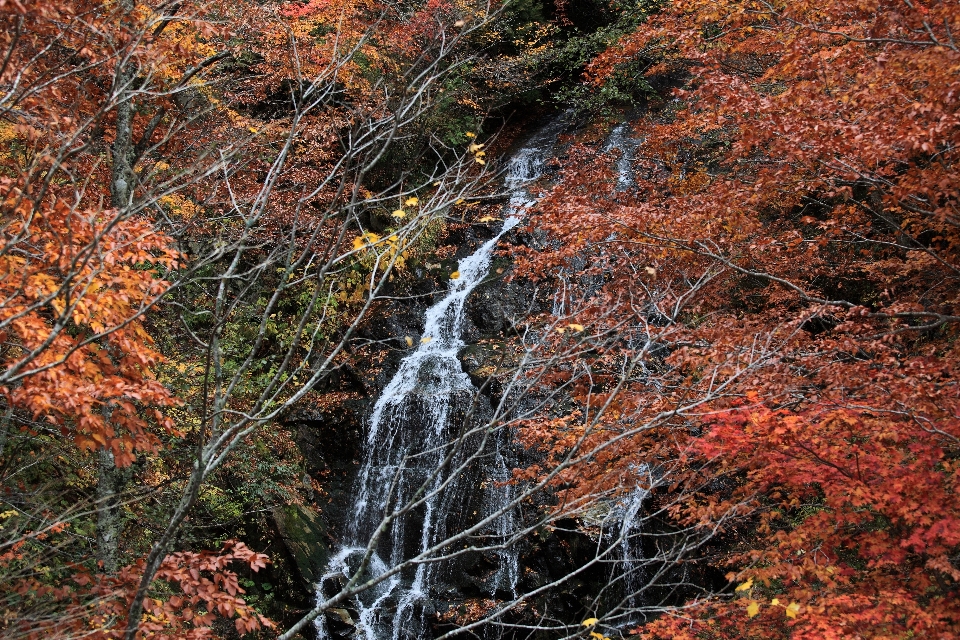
{"x": 746, "y": 586}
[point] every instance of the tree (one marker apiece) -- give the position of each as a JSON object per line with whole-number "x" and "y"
{"x": 792, "y": 224}
{"x": 750, "y": 370}
{"x": 202, "y": 164}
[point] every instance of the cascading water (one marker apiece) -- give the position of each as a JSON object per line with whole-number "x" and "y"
{"x": 416, "y": 437}
{"x": 620, "y": 140}
{"x": 622, "y": 525}
{"x": 630, "y": 569}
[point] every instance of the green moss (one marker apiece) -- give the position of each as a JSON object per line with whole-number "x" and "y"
{"x": 304, "y": 535}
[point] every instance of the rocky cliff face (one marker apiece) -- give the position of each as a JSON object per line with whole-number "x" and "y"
{"x": 331, "y": 437}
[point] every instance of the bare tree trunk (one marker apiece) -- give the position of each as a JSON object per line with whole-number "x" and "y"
{"x": 111, "y": 479}
{"x": 110, "y": 485}
{"x": 121, "y": 182}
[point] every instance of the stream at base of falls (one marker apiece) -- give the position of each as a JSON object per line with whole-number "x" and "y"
{"x": 426, "y": 445}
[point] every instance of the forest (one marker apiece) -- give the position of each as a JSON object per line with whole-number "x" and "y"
{"x": 540, "y": 319}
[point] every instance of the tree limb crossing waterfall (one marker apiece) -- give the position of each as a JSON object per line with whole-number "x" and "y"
{"x": 429, "y": 464}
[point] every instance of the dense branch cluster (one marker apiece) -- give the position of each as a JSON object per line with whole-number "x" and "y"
{"x": 786, "y": 264}
{"x": 189, "y": 197}
{"x": 754, "y": 332}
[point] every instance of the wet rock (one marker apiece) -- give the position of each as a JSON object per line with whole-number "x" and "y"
{"x": 340, "y": 623}
{"x": 304, "y": 535}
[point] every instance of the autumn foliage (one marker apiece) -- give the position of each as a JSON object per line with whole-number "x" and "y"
{"x": 204, "y": 587}
{"x": 783, "y": 271}
{"x": 181, "y": 253}
{"x": 756, "y": 321}
{"x": 84, "y": 271}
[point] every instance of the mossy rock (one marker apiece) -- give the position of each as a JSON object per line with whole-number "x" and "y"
{"x": 304, "y": 535}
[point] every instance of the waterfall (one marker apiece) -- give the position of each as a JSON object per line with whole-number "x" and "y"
{"x": 631, "y": 566}
{"x": 620, "y": 140}
{"x": 414, "y": 440}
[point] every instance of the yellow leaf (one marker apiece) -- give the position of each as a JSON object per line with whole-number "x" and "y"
{"x": 775, "y": 602}
{"x": 460, "y": 201}
{"x": 399, "y": 213}
{"x": 576, "y": 327}
{"x": 358, "y": 243}
{"x": 753, "y": 609}
{"x": 488, "y": 219}
{"x": 408, "y": 340}
{"x": 473, "y": 148}
{"x": 745, "y": 586}
{"x": 598, "y": 636}
{"x": 651, "y": 271}
{"x": 470, "y": 134}
{"x": 411, "y": 202}
{"x": 792, "y": 610}
{"x": 560, "y": 329}
{"x": 426, "y": 339}
{"x": 479, "y": 161}
{"x": 589, "y": 622}
{"x": 454, "y": 275}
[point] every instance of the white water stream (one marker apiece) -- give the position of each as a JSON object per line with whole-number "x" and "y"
{"x": 412, "y": 444}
